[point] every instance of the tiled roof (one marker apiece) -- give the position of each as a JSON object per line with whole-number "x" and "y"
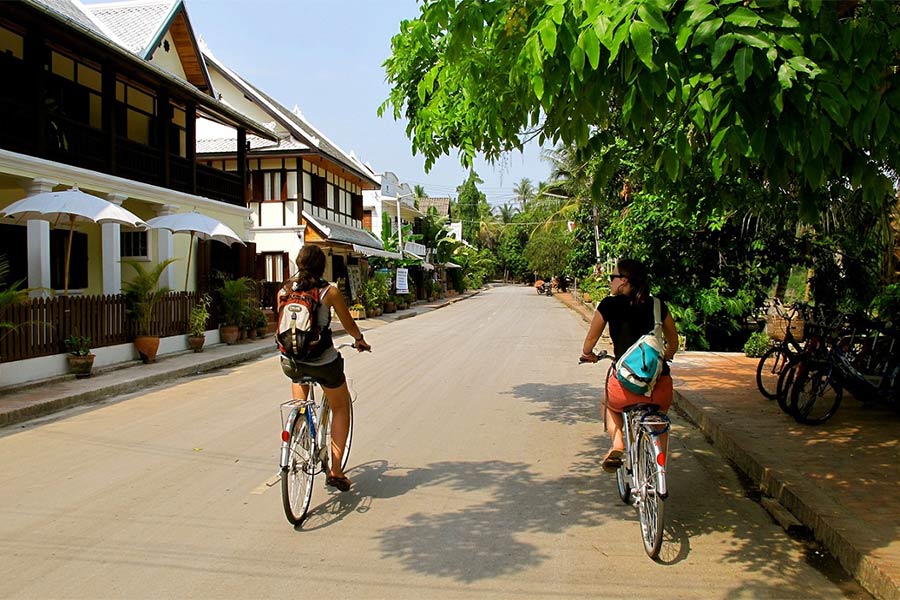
{"x": 72, "y": 10}
{"x": 229, "y": 145}
{"x": 338, "y": 232}
{"x": 136, "y": 24}
{"x": 441, "y": 204}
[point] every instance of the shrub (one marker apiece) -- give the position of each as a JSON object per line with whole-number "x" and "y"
{"x": 756, "y": 345}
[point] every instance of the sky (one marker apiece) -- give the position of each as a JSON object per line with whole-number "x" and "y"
{"x": 326, "y": 57}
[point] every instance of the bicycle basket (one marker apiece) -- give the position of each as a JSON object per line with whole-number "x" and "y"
{"x": 777, "y": 326}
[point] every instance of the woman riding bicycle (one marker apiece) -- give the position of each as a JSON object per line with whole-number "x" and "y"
{"x": 629, "y": 313}
{"x": 327, "y": 369}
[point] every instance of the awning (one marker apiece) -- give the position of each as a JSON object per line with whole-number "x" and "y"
{"x": 452, "y": 265}
{"x": 425, "y": 265}
{"x": 375, "y": 252}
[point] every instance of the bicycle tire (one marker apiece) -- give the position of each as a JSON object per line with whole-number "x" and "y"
{"x": 297, "y": 477}
{"x": 770, "y": 366}
{"x": 346, "y": 455}
{"x": 651, "y": 506}
{"x": 786, "y": 382}
{"x": 622, "y": 484}
{"x": 815, "y": 395}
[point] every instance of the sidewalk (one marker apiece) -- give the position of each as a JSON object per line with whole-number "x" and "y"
{"x": 838, "y": 479}
{"x": 35, "y": 399}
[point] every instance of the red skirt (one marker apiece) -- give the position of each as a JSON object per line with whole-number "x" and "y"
{"x": 619, "y": 398}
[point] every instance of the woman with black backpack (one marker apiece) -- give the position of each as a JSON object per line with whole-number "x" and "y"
{"x": 629, "y": 311}
{"x": 325, "y": 365}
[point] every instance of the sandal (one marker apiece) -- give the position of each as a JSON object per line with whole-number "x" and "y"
{"x": 338, "y": 481}
{"x": 613, "y": 460}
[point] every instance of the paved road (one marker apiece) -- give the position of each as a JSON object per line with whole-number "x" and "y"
{"x": 475, "y": 470}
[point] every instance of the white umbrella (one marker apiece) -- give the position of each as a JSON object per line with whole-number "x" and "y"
{"x": 199, "y": 226}
{"x": 72, "y": 205}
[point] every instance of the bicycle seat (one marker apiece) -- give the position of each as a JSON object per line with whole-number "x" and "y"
{"x": 306, "y": 380}
{"x": 641, "y": 406}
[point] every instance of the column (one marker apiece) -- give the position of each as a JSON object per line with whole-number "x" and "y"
{"x": 38, "y": 235}
{"x": 111, "y": 250}
{"x": 165, "y": 248}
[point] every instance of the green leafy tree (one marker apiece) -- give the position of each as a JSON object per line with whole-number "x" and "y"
{"x": 524, "y": 192}
{"x": 471, "y": 206}
{"x": 796, "y": 94}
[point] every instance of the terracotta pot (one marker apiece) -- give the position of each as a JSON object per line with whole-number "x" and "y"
{"x": 230, "y": 334}
{"x": 587, "y": 297}
{"x": 390, "y": 307}
{"x": 371, "y": 313}
{"x": 195, "y": 342}
{"x": 358, "y": 314}
{"x": 147, "y": 346}
{"x": 81, "y": 366}
{"x": 261, "y": 332}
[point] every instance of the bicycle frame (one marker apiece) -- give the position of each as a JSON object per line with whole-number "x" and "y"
{"x": 645, "y": 418}
{"x": 316, "y": 420}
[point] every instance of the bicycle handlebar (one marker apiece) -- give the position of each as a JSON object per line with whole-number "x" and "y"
{"x": 345, "y": 345}
{"x": 601, "y": 356}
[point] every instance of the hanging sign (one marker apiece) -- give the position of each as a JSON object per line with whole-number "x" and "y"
{"x": 402, "y": 281}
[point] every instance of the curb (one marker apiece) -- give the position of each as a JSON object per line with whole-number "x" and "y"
{"x": 40, "y": 409}
{"x": 772, "y": 483}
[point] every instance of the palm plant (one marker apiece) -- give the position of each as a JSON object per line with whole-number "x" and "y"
{"x": 142, "y": 293}
{"x": 9, "y": 296}
{"x": 524, "y": 191}
{"x": 507, "y": 212}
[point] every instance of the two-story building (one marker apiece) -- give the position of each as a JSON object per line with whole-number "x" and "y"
{"x": 107, "y": 97}
{"x": 303, "y": 188}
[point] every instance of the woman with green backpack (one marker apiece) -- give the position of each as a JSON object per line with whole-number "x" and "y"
{"x": 630, "y": 313}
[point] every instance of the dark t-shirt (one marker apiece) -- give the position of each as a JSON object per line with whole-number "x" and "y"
{"x": 627, "y": 322}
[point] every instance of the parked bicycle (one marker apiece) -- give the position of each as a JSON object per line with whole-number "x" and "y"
{"x": 641, "y": 480}
{"x": 785, "y": 326}
{"x": 306, "y": 447}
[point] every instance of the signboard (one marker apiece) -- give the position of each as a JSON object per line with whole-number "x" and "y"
{"x": 402, "y": 282}
{"x": 354, "y": 280}
{"x": 415, "y": 248}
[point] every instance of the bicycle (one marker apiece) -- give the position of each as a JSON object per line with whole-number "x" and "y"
{"x": 641, "y": 480}
{"x": 306, "y": 448}
{"x": 774, "y": 360}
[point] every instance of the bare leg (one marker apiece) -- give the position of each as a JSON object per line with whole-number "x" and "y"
{"x": 299, "y": 392}
{"x": 614, "y": 425}
{"x": 339, "y": 400}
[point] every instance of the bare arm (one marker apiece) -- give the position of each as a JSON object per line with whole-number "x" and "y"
{"x": 598, "y": 324}
{"x": 671, "y": 335}
{"x": 336, "y": 300}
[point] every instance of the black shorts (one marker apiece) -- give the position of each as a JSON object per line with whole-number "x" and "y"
{"x": 330, "y": 375}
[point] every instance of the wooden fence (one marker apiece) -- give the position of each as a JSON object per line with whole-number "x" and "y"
{"x": 42, "y": 324}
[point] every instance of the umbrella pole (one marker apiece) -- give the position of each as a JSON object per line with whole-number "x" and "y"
{"x": 187, "y": 269}
{"x": 69, "y": 253}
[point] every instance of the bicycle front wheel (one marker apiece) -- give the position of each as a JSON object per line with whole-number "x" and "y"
{"x": 297, "y": 476}
{"x": 770, "y": 366}
{"x": 346, "y": 455}
{"x": 815, "y": 396}
{"x": 651, "y": 506}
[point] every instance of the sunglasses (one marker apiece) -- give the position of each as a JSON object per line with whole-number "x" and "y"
{"x": 615, "y": 276}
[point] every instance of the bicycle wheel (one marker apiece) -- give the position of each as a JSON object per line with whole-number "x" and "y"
{"x": 786, "y": 382}
{"x": 622, "y": 483}
{"x": 815, "y": 395}
{"x": 651, "y": 506}
{"x": 770, "y": 366}
{"x": 297, "y": 476}
{"x": 346, "y": 455}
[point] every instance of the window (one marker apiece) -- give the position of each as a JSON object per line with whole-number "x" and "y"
{"x": 274, "y": 266}
{"x": 178, "y": 132}
{"x": 73, "y": 94}
{"x": 268, "y": 185}
{"x": 136, "y": 114}
{"x": 12, "y": 43}
{"x": 134, "y": 244}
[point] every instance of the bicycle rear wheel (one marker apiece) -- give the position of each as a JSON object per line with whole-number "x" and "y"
{"x": 651, "y": 506}
{"x": 297, "y": 476}
{"x": 622, "y": 483}
{"x": 770, "y": 366}
{"x": 797, "y": 364}
{"x": 815, "y": 395}
{"x": 346, "y": 455}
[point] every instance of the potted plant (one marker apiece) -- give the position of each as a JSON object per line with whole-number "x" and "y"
{"x": 197, "y": 323}
{"x": 233, "y": 297}
{"x": 358, "y": 311}
{"x": 262, "y": 323}
{"x": 142, "y": 294}
{"x": 390, "y": 305}
{"x": 81, "y": 361}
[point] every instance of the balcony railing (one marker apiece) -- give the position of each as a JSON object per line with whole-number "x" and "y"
{"x": 219, "y": 185}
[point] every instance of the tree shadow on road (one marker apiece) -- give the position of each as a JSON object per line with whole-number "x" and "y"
{"x": 566, "y": 403}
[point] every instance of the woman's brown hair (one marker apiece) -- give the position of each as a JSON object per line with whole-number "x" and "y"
{"x": 636, "y": 273}
{"x": 310, "y": 268}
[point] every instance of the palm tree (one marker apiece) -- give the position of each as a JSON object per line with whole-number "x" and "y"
{"x": 507, "y": 212}
{"x": 524, "y": 192}
{"x": 9, "y": 296}
{"x": 419, "y": 193}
